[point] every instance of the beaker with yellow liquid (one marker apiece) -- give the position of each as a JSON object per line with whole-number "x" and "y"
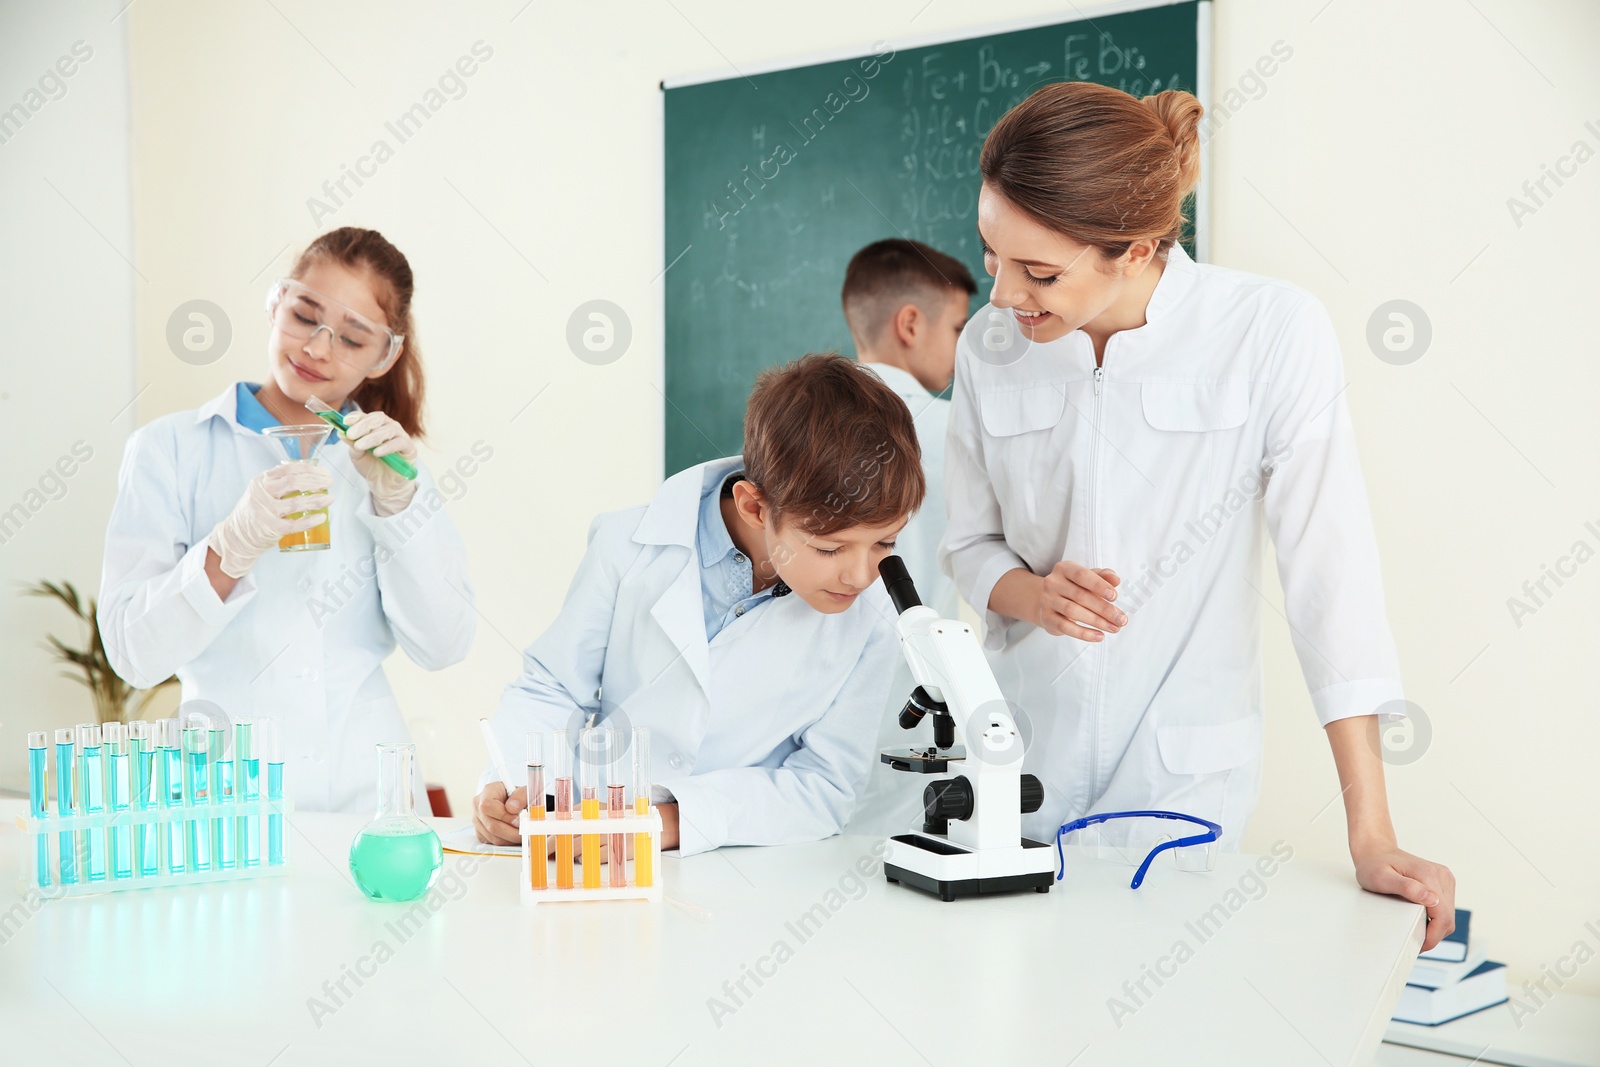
{"x": 300, "y": 444}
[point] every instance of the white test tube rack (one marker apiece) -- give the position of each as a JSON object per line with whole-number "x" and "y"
{"x": 576, "y": 828}
{"x": 83, "y": 826}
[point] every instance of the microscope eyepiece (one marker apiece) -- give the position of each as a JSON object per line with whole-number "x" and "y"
{"x": 897, "y": 580}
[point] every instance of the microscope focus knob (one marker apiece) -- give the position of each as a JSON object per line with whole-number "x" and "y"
{"x": 948, "y": 798}
{"x": 1032, "y": 794}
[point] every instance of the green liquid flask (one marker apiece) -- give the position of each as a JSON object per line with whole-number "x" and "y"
{"x": 396, "y": 856}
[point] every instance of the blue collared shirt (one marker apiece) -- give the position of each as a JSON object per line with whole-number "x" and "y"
{"x": 726, "y": 574}
{"x": 252, "y": 414}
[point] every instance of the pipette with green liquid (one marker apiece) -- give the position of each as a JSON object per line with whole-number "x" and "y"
{"x": 398, "y": 463}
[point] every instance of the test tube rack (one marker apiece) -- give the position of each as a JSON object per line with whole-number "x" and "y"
{"x": 42, "y": 834}
{"x": 575, "y": 829}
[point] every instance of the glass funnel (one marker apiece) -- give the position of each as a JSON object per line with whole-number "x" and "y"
{"x": 396, "y": 856}
{"x": 300, "y": 443}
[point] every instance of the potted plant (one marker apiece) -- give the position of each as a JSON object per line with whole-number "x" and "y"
{"x": 114, "y": 699}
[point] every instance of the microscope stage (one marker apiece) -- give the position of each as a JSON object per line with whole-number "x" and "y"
{"x": 928, "y": 760}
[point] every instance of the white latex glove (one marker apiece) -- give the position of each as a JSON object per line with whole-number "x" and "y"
{"x": 259, "y": 518}
{"x": 373, "y": 435}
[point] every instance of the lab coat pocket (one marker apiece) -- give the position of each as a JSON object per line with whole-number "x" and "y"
{"x": 1198, "y": 448}
{"x": 1009, "y": 412}
{"x": 1209, "y": 749}
{"x": 1020, "y": 456}
{"x": 1196, "y": 406}
{"x": 1212, "y": 771}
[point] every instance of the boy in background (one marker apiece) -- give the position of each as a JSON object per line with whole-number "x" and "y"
{"x": 906, "y": 304}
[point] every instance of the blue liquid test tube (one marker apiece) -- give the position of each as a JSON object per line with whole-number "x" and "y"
{"x": 141, "y": 753}
{"x": 119, "y": 789}
{"x": 66, "y": 772}
{"x": 39, "y": 800}
{"x": 92, "y": 797}
{"x": 221, "y": 795}
{"x": 247, "y": 787}
{"x": 271, "y": 740}
{"x": 194, "y": 794}
{"x": 169, "y": 788}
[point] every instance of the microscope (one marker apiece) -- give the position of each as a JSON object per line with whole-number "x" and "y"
{"x": 971, "y": 842}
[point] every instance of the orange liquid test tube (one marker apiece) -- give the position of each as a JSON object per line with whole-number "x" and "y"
{"x": 538, "y": 858}
{"x": 643, "y": 853}
{"x": 643, "y": 859}
{"x": 592, "y": 741}
{"x": 616, "y": 806}
{"x": 562, "y": 761}
{"x": 591, "y": 842}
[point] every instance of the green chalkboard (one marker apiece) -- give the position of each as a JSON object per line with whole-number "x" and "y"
{"x": 773, "y": 180}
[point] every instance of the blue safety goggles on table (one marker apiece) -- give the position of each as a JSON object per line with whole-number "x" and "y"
{"x": 1212, "y": 832}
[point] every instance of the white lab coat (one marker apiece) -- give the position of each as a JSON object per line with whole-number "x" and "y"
{"x": 918, "y": 543}
{"x": 303, "y": 635}
{"x": 892, "y": 803}
{"x": 1155, "y": 468}
{"x": 763, "y": 735}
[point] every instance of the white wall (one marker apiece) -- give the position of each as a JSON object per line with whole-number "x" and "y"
{"x": 1375, "y": 164}
{"x": 67, "y": 289}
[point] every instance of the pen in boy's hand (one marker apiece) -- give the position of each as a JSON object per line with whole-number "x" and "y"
{"x": 496, "y": 756}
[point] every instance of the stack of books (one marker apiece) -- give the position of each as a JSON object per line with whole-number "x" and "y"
{"x": 1450, "y": 980}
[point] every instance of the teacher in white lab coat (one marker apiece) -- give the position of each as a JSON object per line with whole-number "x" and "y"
{"x": 194, "y": 583}
{"x": 1126, "y": 423}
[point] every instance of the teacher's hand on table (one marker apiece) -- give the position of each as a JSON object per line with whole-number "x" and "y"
{"x": 1385, "y": 868}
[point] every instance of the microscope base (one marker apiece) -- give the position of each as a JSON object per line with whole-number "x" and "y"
{"x": 948, "y": 871}
{"x": 970, "y": 887}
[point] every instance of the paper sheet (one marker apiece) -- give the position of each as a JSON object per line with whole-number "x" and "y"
{"x": 465, "y": 839}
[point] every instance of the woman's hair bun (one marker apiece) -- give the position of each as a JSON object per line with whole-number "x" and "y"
{"x": 1098, "y": 165}
{"x": 1180, "y": 112}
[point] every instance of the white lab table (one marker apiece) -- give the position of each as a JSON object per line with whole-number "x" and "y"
{"x": 1303, "y": 968}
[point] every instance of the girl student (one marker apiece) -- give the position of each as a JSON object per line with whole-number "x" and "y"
{"x": 1126, "y": 424}
{"x": 194, "y": 582}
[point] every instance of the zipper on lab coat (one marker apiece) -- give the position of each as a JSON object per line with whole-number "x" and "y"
{"x": 1097, "y": 702}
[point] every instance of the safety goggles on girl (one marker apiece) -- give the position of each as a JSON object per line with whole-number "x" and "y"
{"x": 353, "y": 339}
